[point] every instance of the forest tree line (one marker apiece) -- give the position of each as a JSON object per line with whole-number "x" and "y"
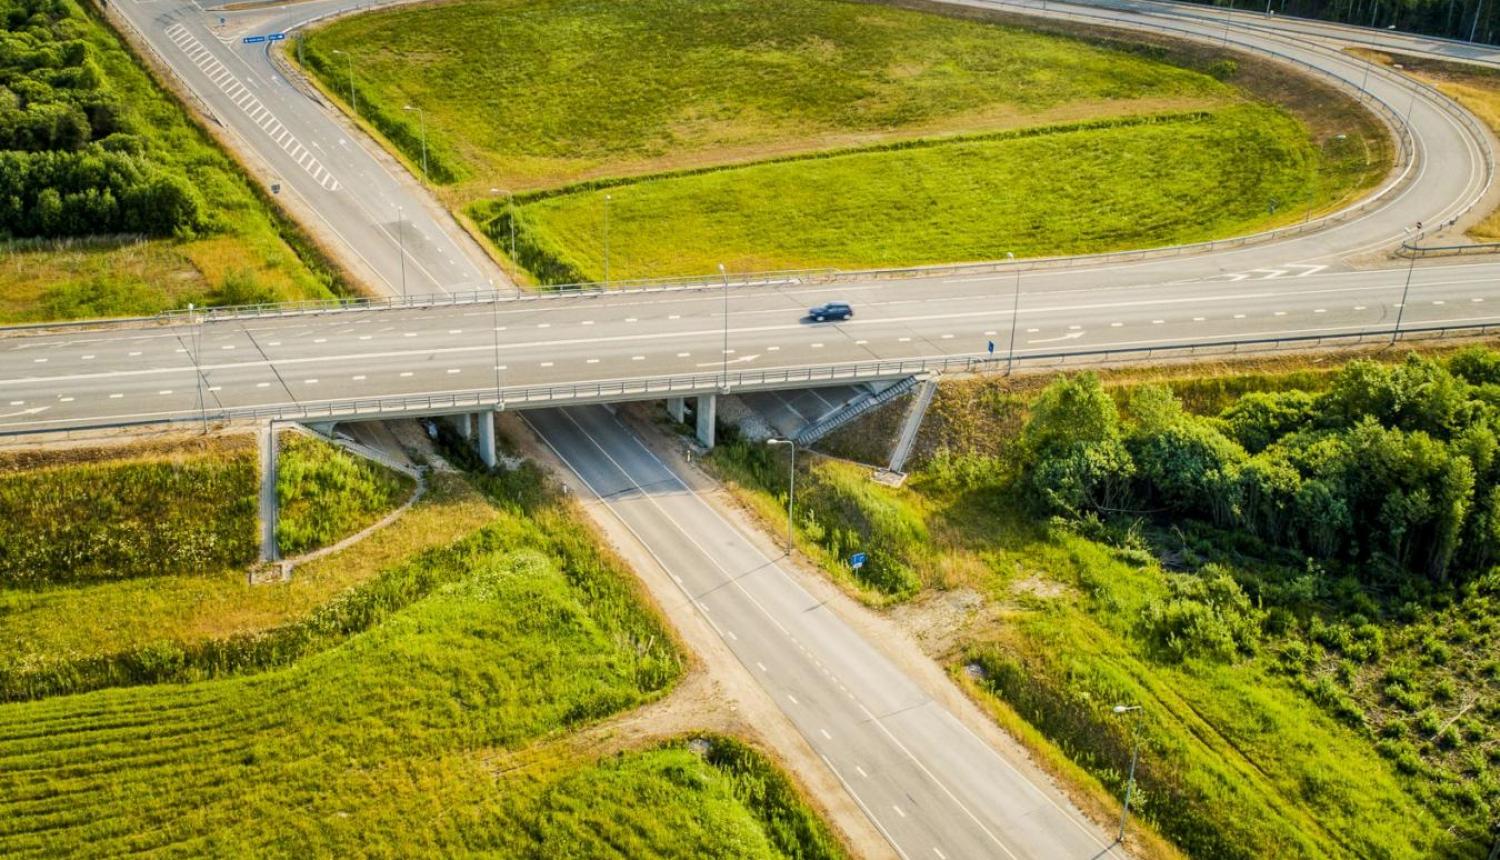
{"x": 70, "y": 162}
{"x": 1468, "y": 20}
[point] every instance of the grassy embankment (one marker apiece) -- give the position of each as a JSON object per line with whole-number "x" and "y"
{"x": 431, "y": 719}
{"x": 127, "y": 566}
{"x": 242, "y": 251}
{"x": 325, "y": 493}
{"x": 950, "y": 138}
{"x": 1349, "y": 718}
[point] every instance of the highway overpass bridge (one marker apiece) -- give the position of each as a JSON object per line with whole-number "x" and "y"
{"x": 930, "y": 785}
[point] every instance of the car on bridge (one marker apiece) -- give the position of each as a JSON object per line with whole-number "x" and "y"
{"x": 831, "y": 311}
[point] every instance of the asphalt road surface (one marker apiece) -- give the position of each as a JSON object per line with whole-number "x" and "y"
{"x": 930, "y": 785}
{"x": 378, "y": 217}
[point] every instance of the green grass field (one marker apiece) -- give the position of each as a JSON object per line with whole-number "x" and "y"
{"x": 326, "y": 493}
{"x": 1075, "y": 190}
{"x": 1362, "y": 723}
{"x": 692, "y": 116}
{"x": 247, "y": 254}
{"x": 435, "y": 726}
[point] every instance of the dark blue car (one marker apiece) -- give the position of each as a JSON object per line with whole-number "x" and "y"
{"x": 831, "y": 311}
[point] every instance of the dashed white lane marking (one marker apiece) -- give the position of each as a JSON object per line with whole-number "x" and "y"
{"x": 405, "y": 373}
{"x": 320, "y": 340}
{"x": 939, "y": 852}
{"x": 91, "y": 358}
{"x": 903, "y": 340}
{"x": 1075, "y": 328}
{"x": 1199, "y": 319}
{"x": 227, "y": 346}
{"x": 70, "y": 400}
{"x": 18, "y": 403}
{"x": 1360, "y": 307}
{"x": 546, "y": 364}
{"x": 216, "y": 388}
{"x": 39, "y": 360}
{"x": 409, "y": 334}
{"x": 674, "y": 316}
{"x": 309, "y": 382}
{"x": 1115, "y": 324}
{"x": 1438, "y": 302}
{"x": 1032, "y": 330}
{"x": 134, "y": 354}
{"x": 684, "y": 355}
{"x": 249, "y": 104}
{"x": 732, "y": 637}
{"x": 1155, "y": 322}
{"x": 587, "y": 322}
{"x": 592, "y": 361}
{"x": 630, "y": 319}
{"x": 861, "y": 771}
{"x": 860, "y": 342}
{"x": 817, "y": 346}
{"x": 274, "y": 343}
{"x": 1476, "y": 300}
{"x": 1320, "y": 310}
{"x": 360, "y": 378}
{"x": 825, "y": 734}
{"x": 455, "y": 331}
{"x": 366, "y": 336}
{"x": 772, "y": 348}
{"x": 899, "y": 811}
{"x": 1239, "y": 316}
{"x": 111, "y": 397}
{"x": 262, "y": 385}
{"x": 792, "y": 699}
{"x": 1281, "y": 313}
{"x": 758, "y": 664}
{"x": 165, "y": 391}
{"x": 453, "y": 370}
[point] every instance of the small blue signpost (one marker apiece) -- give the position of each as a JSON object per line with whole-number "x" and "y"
{"x": 858, "y": 560}
{"x": 992, "y": 347}
{"x": 254, "y": 40}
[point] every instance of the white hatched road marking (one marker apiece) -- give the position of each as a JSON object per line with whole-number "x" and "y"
{"x": 252, "y": 106}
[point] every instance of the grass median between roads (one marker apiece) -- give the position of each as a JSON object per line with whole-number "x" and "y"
{"x": 1074, "y": 189}
{"x": 237, "y": 248}
{"x": 809, "y": 133}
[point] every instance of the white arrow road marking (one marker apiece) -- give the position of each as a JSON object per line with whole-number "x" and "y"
{"x": 1237, "y": 276}
{"x": 742, "y": 358}
{"x": 1272, "y": 273}
{"x": 1069, "y": 336}
{"x": 32, "y": 411}
{"x": 1311, "y": 269}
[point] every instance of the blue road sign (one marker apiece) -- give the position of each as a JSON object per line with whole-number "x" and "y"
{"x": 254, "y": 40}
{"x": 858, "y": 560}
{"x": 992, "y": 347}
{"x": 276, "y": 37}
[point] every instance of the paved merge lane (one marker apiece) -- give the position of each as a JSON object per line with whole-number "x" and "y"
{"x": 935, "y": 789}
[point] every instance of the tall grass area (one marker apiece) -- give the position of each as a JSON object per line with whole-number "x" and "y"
{"x": 77, "y": 637}
{"x": 242, "y": 251}
{"x": 99, "y": 514}
{"x": 540, "y": 92}
{"x": 426, "y": 729}
{"x": 1292, "y": 704}
{"x": 1072, "y": 189}
{"x": 324, "y": 493}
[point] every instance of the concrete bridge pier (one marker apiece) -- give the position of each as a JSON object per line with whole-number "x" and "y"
{"x": 705, "y": 411}
{"x": 268, "y": 450}
{"x": 486, "y": 437}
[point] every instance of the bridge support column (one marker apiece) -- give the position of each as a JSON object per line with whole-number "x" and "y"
{"x": 464, "y": 424}
{"x": 485, "y": 440}
{"x": 268, "y": 550}
{"x": 677, "y": 408}
{"x": 706, "y": 409}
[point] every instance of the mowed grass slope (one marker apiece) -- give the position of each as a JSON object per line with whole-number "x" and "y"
{"x": 1182, "y": 178}
{"x": 524, "y": 94}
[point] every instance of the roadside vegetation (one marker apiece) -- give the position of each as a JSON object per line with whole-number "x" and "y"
{"x": 428, "y": 711}
{"x": 1292, "y": 572}
{"x": 324, "y": 493}
{"x": 129, "y": 566}
{"x": 802, "y": 133}
{"x": 111, "y": 201}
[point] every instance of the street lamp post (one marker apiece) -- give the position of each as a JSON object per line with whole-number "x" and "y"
{"x": 196, "y": 334}
{"x": 495, "y": 324}
{"x": 607, "y": 198}
{"x": 401, "y": 239}
{"x": 1015, "y": 311}
{"x": 791, "y": 488}
{"x": 724, "y": 383}
{"x": 353, "y": 96}
{"x": 1406, "y": 289}
{"x": 422, "y": 121}
{"x": 1135, "y": 754}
